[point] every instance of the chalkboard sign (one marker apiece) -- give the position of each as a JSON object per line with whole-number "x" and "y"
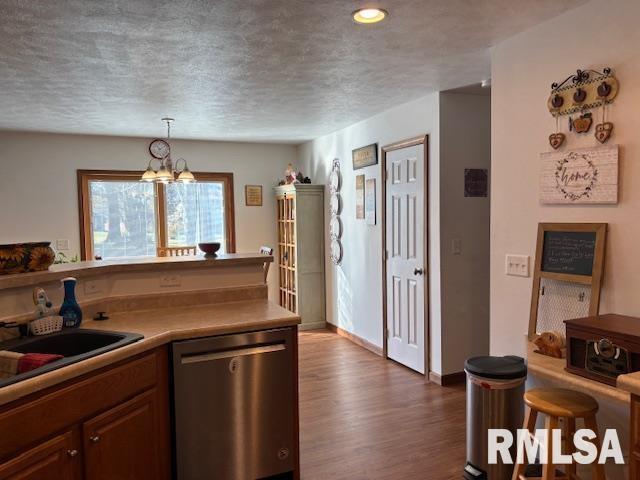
{"x": 569, "y": 252}
{"x": 572, "y": 256}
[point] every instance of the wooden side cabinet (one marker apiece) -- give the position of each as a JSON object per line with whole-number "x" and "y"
{"x": 301, "y": 239}
{"x": 115, "y": 423}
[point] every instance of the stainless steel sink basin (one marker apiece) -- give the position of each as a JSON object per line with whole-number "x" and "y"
{"x": 73, "y": 344}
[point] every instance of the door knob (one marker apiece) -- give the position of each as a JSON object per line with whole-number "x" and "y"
{"x": 418, "y": 271}
{"x": 95, "y": 439}
{"x": 72, "y": 453}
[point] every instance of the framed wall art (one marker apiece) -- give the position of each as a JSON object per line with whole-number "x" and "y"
{"x": 365, "y": 156}
{"x": 360, "y": 197}
{"x": 580, "y": 176}
{"x": 370, "y": 201}
{"x": 253, "y": 195}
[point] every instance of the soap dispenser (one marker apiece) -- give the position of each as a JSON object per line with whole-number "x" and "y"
{"x": 70, "y": 310}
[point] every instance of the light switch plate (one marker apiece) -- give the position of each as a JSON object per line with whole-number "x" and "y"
{"x": 517, "y": 265}
{"x": 62, "y": 244}
{"x": 456, "y": 246}
{"x": 92, "y": 287}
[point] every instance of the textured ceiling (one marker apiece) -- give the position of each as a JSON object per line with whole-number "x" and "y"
{"x": 272, "y": 70}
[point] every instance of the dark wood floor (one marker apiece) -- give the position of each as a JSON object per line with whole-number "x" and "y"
{"x": 363, "y": 417}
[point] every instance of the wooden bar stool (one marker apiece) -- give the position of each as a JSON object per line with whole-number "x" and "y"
{"x": 557, "y": 403}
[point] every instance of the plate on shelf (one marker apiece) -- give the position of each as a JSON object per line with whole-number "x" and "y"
{"x": 335, "y": 204}
{"x": 334, "y": 181}
{"x": 336, "y": 251}
{"x": 335, "y": 227}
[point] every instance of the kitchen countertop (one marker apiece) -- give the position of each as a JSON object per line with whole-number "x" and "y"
{"x": 101, "y": 267}
{"x": 160, "y": 327}
{"x": 630, "y": 382}
{"x": 554, "y": 369}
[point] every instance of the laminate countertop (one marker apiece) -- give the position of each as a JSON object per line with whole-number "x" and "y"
{"x": 160, "y": 327}
{"x": 554, "y": 369}
{"x": 630, "y": 382}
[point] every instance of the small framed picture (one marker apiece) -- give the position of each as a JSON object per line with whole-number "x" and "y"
{"x": 360, "y": 197}
{"x": 370, "y": 201}
{"x": 365, "y": 156}
{"x": 253, "y": 195}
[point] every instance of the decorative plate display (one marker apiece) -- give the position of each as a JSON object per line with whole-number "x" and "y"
{"x": 159, "y": 148}
{"x": 335, "y": 204}
{"x": 334, "y": 181}
{"x": 336, "y": 251}
{"x": 335, "y": 227}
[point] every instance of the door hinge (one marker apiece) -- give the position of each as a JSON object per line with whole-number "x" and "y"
{"x": 386, "y": 254}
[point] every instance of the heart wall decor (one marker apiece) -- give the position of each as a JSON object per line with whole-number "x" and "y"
{"x": 603, "y": 131}
{"x": 556, "y": 139}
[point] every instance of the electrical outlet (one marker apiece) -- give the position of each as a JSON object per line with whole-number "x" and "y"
{"x": 170, "y": 281}
{"x": 92, "y": 287}
{"x": 62, "y": 244}
{"x": 517, "y": 265}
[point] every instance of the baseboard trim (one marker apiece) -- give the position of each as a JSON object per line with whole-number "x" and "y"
{"x": 447, "y": 380}
{"x": 355, "y": 339}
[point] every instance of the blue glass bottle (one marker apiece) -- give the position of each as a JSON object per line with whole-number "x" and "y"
{"x": 70, "y": 310}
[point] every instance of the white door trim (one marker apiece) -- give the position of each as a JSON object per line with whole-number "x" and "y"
{"x": 420, "y": 140}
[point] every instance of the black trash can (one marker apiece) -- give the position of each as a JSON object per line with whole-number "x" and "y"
{"x": 495, "y": 389}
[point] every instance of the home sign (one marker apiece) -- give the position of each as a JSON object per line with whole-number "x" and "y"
{"x": 580, "y": 176}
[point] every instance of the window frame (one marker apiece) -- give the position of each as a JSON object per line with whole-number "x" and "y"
{"x": 84, "y": 207}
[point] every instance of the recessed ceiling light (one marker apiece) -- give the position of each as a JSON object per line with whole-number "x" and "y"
{"x": 369, "y": 15}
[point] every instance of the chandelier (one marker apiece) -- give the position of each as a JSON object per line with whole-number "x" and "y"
{"x": 167, "y": 170}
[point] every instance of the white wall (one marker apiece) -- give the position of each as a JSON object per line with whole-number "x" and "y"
{"x": 596, "y": 35}
{"x": 465, "y": 142}
{"x": 39, "y": 197}
{"x": 354, "y": 289}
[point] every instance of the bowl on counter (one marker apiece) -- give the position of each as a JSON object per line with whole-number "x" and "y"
{"x": 25, "y": 257}
{"x": 209, "y": 248}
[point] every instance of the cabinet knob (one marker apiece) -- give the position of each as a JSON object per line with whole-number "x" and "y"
{"x": 95, "y": 439}
{"x": 418, "y": 271}
{"x": 72, "y": 453}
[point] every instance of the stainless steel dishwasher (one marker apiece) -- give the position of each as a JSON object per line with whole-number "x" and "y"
{"x": 234, "y": 406}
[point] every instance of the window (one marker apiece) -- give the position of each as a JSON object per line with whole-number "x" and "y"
{"x": 123, "y": 217}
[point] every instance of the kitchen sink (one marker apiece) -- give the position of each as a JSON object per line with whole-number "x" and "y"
{"x": 73, "y": 344}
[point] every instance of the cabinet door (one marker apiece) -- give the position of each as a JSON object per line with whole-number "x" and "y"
{"x": 123, "y": 443}
{"x": 55, "y": 459}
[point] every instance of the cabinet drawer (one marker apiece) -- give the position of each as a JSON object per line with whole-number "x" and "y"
{"x": 33, "y": 420}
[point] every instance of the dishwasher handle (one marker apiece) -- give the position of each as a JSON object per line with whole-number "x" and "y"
{"x": 238, "y": 352}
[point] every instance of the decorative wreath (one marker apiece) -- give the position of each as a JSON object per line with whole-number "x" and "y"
{"x": 588, "y": 190}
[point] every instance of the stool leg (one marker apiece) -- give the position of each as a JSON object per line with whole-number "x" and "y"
{"x": 549, "y": 469}
{"x": 597, "y": 468}
{"x": 569, "y": 431}
{"x": 530, "y": 418}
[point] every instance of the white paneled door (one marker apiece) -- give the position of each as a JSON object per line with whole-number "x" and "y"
{"x": 406, "y": 267}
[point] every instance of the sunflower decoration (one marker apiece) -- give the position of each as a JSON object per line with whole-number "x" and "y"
{"x": 41, "y": 259}
{"x": 13, "y": 254}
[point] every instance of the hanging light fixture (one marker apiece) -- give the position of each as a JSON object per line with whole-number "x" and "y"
{"x": 167, "y": 170}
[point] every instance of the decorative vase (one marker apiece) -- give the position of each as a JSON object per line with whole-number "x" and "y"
{"x": 25, "y": 257}
{"x": 70, "y": 310}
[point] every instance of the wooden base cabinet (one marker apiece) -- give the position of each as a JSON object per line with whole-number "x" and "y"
{"x": 114, "y": 424}
{"x": 634, "y": 452}
{"x": 55, "y": 459}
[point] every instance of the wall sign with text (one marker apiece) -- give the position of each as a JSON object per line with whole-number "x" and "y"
{"x": 580, "y": 176}
{"x": 365, "y": 156}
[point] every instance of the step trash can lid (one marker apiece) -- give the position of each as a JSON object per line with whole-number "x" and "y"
{"x": 499, "y": 368}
